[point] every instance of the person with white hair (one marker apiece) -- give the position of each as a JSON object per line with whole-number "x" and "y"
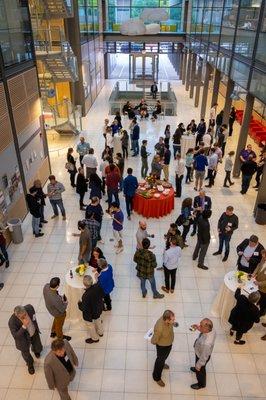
{"x": 25, "y": 331}
{"x": 82, "y": 149}
{"x": 203, "y": 348}
{"x": 91, "y": 306}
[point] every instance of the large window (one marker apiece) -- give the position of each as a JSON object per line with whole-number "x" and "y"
{"x": 119, "y": 11}
{"x": 88, "y": 19}
{"x": 15, "y": 33}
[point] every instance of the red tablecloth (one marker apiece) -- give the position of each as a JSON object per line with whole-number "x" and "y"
{"x": 154, "y": 208}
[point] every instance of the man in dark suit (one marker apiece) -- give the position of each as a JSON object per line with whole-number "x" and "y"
{"x": 201, "y": 203}
{"x": 154, "y": 90}
{"x": 24, "y": 329}
{"x": 204, "y": 238}
{"x": 249, "y": 254}
{"x": 91, "y": 306}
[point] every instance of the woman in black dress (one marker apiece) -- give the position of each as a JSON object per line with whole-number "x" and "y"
{"x": 81, "y": 187}
{"x": 71, "y": 166}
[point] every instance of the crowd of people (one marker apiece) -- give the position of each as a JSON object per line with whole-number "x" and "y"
{"x": 105, "y": 177}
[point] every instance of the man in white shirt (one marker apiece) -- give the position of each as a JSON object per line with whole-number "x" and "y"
{"x": 179, "y": 174}
{"x": 203, "y": 347}
{"x": 207, "y": 138}
{"x": 90, "y": 162}
{"x": 212, "y": 167}
{"x": 170, "y": 263}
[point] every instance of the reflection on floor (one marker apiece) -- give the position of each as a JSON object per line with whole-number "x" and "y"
{"x": 119, "y": 366}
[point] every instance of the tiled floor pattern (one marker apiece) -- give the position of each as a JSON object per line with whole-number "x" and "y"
{"x": 119, "y": 366}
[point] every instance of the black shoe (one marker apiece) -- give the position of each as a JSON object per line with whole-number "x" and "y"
{"x": 1, "y": 263}
{"x": 44, "y": 221}
{"x": 158, "y": 296}
{"x": 216, "y": 253}
{"x": 193, "y": 369}
{"x": 40, "y": 225}
{"x": 37, "y": 355}
{"x": 193, "y": 234}
{"x": 194, "y": 258}
{"x": 1, "y": 286}
{"x": 226, "y": 186}
{"x": 53, "y": 335}
{"x": 239, "y": 342}
{"x": 144, "y": 295}
{"x": 231, "y": 183}
{"x": 231, "y": 332}
{"x": 7, "y": 263}
{"x": 90, "y": 340}
{"x": 68, "y": 338}
{"x": 31, "y": 369}
{"x": 207, "y": 185}
{"x": 39, "y": 235}
{"x": 225, "y": 258}
{"x": 196, "y": 386}
{"x": 100, "y": 335}
{"x": 202, "y": 267}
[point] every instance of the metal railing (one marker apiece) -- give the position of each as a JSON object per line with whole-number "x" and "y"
{"x": 125, "y": 86}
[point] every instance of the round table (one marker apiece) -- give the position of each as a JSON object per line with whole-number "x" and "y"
{"x": 154, "y": 207}
{"x": 187, "y": 142}
{"x": 74, "y": 289}
{"x": 225, "y": 299}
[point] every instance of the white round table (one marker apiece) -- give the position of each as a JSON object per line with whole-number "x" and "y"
{"x": 225, "y": 299}
{"x": 187, "y": 142}
{"x": 74, "y": 289}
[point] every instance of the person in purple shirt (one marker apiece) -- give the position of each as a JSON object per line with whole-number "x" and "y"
{"x": 245, "y": 153}
{"x": 118, "y": 219}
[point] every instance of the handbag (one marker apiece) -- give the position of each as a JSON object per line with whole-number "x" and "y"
{"x": 69, "y": 166}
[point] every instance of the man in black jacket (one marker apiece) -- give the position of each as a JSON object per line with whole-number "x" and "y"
{"x": 227, "y": 224}
{"x": 204, "y": 238}
{"x": 40, "y": 196}
{"x": 34, "y": 206}
{"x": 248, "y": 169}
{"x": 249, "y": 254}
{"x": 144, "y": 159}
{"x": 24, "y": 329}
{"x": 154, "y": 90}
{"x": 91, "y": 306}
{"x": 201, "y": 203}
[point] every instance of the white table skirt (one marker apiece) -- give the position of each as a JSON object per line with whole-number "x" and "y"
{"x": 74, "y": 290}
{"x": 187, "y": 142}
{"x": 225, "y": 299}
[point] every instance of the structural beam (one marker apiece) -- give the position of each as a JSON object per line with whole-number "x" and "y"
{"x": 242, "y": 140}
{"x": 193, "y": 75}
{"x": 198, "y": 84}
{"x": 208, "y": 71}
{"x": 216, "y": 84}
{"x": 228, "y": 101}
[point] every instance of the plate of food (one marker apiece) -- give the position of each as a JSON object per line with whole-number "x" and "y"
{"x": 166, "y": 185}
{"x": 166, "y": 192}
{"x": 160, "y": 188}
{"x": 156, "y": 195}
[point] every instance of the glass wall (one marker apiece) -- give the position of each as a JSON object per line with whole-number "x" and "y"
{"x": 231, "y": 35}
{"x": 119, "y": 11}
{"x": 88, "y": 19}
{"x": 15, "y": 32}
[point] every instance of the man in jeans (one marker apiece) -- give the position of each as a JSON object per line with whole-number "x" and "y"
{"x": 56, "y": 306}
{"x": 54, "y": 192}
{"x": 118, "y": 219}
{"x": 163, "y": 337}
{"x": 146, "y": 264}
{"x": 201, "y": 163}
{"x": 34, "y": 206}
{"x": 130, "y": 186}
{"x": 227, "y": 224}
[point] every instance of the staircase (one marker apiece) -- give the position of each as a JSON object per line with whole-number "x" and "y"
{"x": 66, "y": 128}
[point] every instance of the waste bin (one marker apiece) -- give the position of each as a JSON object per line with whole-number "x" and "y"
{"x": 14, "y": 226}
{"x": 260, "y": 217}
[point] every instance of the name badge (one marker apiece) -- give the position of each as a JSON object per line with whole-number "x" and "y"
{"x": 66, "y": 358}
{"x": 229, "y": 224}
{"x": 256, "y": 253}
{"x": 34, "y": 317}
{"x": 205, "y": 203}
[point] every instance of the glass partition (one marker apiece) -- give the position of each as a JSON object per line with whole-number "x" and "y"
{"x": 15, "y": 32}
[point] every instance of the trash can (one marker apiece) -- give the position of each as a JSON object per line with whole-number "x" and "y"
{"x": 260, "y": 217}
{"x": 14, "y": 226}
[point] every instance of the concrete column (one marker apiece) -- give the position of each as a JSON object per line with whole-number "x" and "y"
{"x": 189, "y": 62}
{"x": 198, "y": 83}
{"x": 180, "y": 67}
{"x": 205, "y": 90}
{"x": 193, "y": 75}
{"x": 261, "y": 197}
{"x": 228, "y": 101}
{"x": 184, "y": 68}
{"x": 216, "y": 83}
{"x": 242, "y": 140}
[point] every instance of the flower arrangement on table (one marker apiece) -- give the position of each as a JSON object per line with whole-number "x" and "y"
{"x": 241, "y": 276}
{"x": 81, "y": 269}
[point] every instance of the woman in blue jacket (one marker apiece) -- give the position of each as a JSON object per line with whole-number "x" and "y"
{"x": 106, "y": 281}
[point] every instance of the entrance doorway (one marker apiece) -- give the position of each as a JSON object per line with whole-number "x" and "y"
{"x": 166, "y": 67}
